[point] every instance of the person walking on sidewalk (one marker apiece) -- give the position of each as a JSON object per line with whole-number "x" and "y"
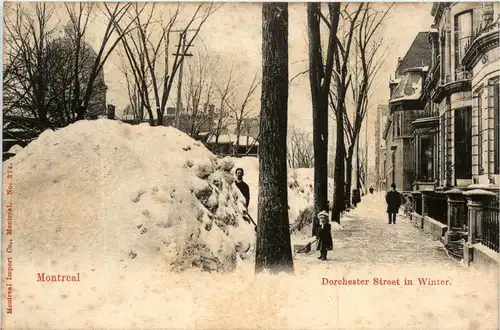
{"x": 393, "y": 199}
{"x": 325, "y": 241}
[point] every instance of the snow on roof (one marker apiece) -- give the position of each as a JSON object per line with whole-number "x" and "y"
{"x": 231, "y": 138}
{"x": 410, "y": 87}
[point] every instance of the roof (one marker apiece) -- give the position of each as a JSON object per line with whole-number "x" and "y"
{"x": 410, "y": 87}
{"x": 231, "y": 138}
{"x": 418, "y": 55}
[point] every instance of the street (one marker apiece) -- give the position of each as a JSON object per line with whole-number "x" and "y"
{"x": 367, "y": 238}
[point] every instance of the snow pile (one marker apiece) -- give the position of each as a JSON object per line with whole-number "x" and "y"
{"x": 133, "y": 195}
{"x": 15, "y": 149}
{"x": 300, "y": 187}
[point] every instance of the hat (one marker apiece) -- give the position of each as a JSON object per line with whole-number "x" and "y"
{"x": 323, "y": 214}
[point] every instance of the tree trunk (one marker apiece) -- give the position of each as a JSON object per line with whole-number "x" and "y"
{"x": 273, "y": 250}
{"x": 319, "y": 97}
{"x": 338, "y": 177}
{"x": 348, "y": 178}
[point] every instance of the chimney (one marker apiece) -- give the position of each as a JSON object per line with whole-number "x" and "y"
{"x": 111, "y": 111}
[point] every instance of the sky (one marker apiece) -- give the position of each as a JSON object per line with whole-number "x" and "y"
{"x": 234, "y": 33}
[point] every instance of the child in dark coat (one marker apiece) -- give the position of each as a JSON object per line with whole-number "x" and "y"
{"x": 325, "y": 241}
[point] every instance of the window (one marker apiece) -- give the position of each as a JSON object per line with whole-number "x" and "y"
{"x": 442, "y": 55}
{"x": 463, "y": 145}
{"x": 463, "y": 34}
{"x": 397, "y": 128}
{"x": 480, "y": 131}
{"x": 496, "y": 120}
{"x": 442, "y": 131}
{"x": 393, "y": 160}
{"x": 426, "y": 160}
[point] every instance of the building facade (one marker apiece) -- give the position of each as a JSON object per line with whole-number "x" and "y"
{"x": 456, "y": 134}
{"x": 456, "y": 137}
{"x": 380, "y": 146}
{"x": 406, "y": 104}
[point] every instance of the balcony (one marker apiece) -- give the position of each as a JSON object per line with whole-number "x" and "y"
{"x": 484, "y": 38}
{"x": 434, "y": 75}
{"x": 459, "y": 82}
{"x": 462, "y": 74}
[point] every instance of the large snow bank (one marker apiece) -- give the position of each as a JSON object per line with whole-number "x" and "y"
{"x": 131, "y": 195}
{"x": 15, "y": 149}
{"x": 300, "y": 187}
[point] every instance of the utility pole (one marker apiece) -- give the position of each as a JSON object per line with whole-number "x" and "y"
{"x": 182, "y": 53}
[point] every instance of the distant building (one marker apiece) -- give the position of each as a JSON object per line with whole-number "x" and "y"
{"x": 191, "y": 123}
{"x": 225, "y": 144}
{"x": 405, "y": 105}
{"x": 380, "y": 146}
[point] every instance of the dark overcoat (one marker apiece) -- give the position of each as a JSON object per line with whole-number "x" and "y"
{"x": 325, "y": 241}
{"x": 393, "y": 199}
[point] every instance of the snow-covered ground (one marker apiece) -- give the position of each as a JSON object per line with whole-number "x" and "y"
{"x": 127, "y": 207}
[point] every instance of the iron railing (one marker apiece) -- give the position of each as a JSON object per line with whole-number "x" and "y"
{"x": 489, "y": 226}
{"x": 480, "y": 30}
{"x": 417, "y": 203}
{"x": 462, "y": 74}
{"x": 459, "y": 215}
{"x": 437, "y": 207}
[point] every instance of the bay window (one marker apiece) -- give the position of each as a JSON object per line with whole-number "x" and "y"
{"x": 463, "y": 35}
{"x": 463, "y": 143}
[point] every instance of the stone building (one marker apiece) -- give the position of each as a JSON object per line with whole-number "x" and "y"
{"x": 380, "y": 145}
{"x": 481, "y": 58}
{"x": 456, "y": 136}
{"x": 405, "y": 105}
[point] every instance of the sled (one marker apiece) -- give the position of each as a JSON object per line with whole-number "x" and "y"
{"x": 297, "y": 248}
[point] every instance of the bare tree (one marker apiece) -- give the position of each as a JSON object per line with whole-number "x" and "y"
{"x": 242, "y": 111}
{"x": 273, "y": 250}
{"x": 299, "y": 149}
{"x": 135, "y": 108}
{"x": 29, "y": 64}
{"x": 55, "y": 79}
{"x": 148, "y": 53}
{"x": 320, "y": 74}
{"x": 199, "y": 93}
{"x": 81, "y": 14}
{"x": 364, "y": 63}
{"x": 225, "y": 90}
{"x": 342, "y": 80}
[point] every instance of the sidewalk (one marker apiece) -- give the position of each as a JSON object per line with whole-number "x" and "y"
{"x": 367, "y": 238}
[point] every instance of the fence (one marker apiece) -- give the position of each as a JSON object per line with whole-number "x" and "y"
{"x": 459, "y": 215}
{"x": 489, "y": 227}
{"x": 417, "y": 203}
{"x": 437, "y": 207}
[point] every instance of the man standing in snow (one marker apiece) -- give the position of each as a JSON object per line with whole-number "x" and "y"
{"x": 393, "y": 199}
{"x": 242, "y": 186}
